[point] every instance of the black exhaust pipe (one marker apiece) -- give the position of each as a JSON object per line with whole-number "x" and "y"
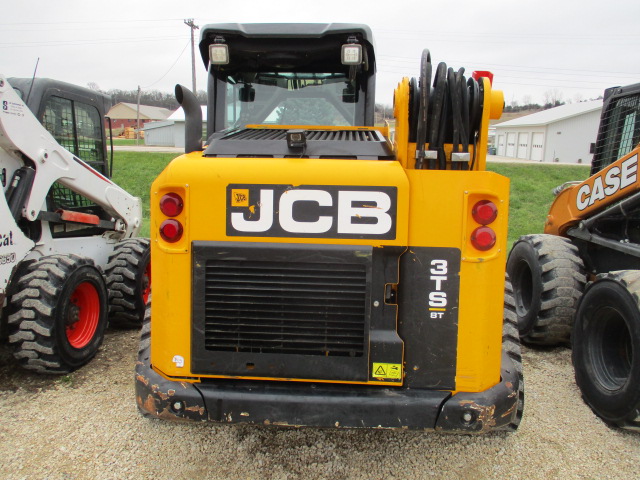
{"x": 193, "y": 119}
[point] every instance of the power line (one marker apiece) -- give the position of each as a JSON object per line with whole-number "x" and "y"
{"x": 500, "y": 33}
{"x": 170, "y": 68}
{"x": 66, "y": 43}
{"x": 70, "y": 22}
{"x": 500, "y": 37}
{"x": 535, "y": 69}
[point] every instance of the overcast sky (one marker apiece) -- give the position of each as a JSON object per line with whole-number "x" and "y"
{"x": 532, "y": 47}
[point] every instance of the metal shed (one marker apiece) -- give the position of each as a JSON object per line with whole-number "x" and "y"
{"x": 168, "y": 133}
{"x": 561, "y": 134}
{"x": 162, "y": 134}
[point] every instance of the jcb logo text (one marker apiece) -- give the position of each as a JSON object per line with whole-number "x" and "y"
{"x": 311, "y": 211}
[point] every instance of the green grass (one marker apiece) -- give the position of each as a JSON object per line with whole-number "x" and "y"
{"x": 531, "y": 192}
{"x": 531, "y": 186}
{"x": 126, "y": 141}
{"x": 135, "y": 171}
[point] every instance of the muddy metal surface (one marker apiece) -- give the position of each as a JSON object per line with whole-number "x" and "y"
{"x": 86, "y": 426}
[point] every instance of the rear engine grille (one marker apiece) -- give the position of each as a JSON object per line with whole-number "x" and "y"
{"x": 364, "y": 144}
{"x": 312, "y": 135}
{"x": 285, "y": 308}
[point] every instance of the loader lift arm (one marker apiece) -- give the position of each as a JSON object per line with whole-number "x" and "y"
{"x": 23, "y": 136}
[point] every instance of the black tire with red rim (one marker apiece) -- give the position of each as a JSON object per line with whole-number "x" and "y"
{"x": 128, "y": 275}
{"x": 58, "y": 314}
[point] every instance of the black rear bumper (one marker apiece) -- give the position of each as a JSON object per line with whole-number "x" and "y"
{"x": 329, "y": 405}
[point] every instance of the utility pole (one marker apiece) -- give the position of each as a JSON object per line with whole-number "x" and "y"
{"x": 138, "y": 115}
{"x": 189, "y": 22}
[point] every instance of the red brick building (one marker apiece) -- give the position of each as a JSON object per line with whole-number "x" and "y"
{"x": 125, "y": 115}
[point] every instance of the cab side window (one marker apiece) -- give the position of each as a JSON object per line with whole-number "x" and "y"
{"x": 620, "y": 131}
{"x": 78, "y": 128}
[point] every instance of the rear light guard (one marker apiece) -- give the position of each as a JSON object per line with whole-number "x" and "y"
{"x": 482, "y": 222}
{"x": 171, "y": 223}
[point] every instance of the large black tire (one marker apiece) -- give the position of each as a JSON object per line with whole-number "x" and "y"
{"x": 511, "y": 345}
{"x": 128, "y": 274}
{"x": 548, "y": 279}
{"x": 606, "y": 348}
{"x": 58, "y": 314}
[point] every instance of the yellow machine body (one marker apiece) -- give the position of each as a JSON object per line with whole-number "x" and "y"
{"x": 336, "y": 275}
{"x": 433, "y": 210}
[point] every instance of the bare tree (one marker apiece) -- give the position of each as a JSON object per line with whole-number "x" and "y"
{"x": 553, "y": 98}
{"x": 94, "y": 86}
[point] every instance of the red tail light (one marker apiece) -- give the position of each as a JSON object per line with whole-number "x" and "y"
{"x": 171, "y": 230}
{"x": 484, "y": 212}
{"x": 483, "y": 238}
{"x": 171, "y": 204}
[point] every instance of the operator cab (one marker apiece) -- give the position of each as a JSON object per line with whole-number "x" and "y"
{"x": 259, "y": 76}
{"x": 73, "y": 115}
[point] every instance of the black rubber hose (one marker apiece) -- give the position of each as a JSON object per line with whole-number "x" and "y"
{"x": 423, "y": 111}
{"x": 414, "y": 106}
{"x": 444, "y": 129}
{"x": 476, "y": 99}
{"x": 456, "y": 118}
{"x": 438, "y": 104}
{"x": 464, "y": 102}
{"x": 464, "y": 93}
{"x": 475, "y": 107}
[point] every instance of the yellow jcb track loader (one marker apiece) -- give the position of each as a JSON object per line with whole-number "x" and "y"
{"x": 580, "y": 280}
{"x": 309, "y": 270}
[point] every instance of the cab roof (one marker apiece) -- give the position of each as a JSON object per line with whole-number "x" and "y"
{"x": 280, "y": 30}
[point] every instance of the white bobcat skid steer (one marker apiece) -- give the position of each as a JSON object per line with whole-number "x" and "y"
{"x": 68, "y": 259}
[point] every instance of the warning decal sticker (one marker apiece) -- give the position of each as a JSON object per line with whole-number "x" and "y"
{"x": 391, "y": 371}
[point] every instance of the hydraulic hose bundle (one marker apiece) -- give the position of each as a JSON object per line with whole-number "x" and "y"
{"x": 447, "y": 112}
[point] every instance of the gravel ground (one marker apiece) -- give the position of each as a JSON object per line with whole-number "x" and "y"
{"x": 86, "y": 426}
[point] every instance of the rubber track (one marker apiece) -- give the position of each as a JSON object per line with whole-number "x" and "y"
{"x": 31, "y": 330}
{"x": 144, "y": 352}
{"x": 511, "y": 344}
{"x": 121, "y": 273}
{"x": 563, "y": 281}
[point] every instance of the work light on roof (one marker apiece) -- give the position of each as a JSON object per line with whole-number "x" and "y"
{"x": 219, "y": 54}
{"x": 351, "y": 54}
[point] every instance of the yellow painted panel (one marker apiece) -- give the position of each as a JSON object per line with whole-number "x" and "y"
{"x": 440, "y": 216}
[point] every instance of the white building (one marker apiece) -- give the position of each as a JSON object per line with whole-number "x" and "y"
{"x": 170, "y": 132}
{"x": 561, "y": 134}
